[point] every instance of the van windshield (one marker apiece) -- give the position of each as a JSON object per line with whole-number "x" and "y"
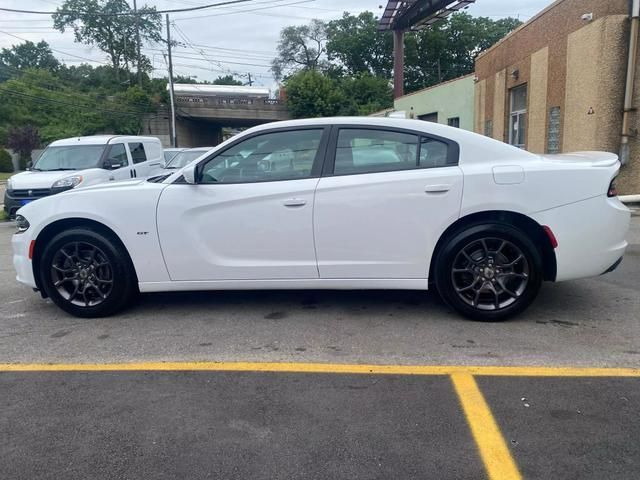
{"x": 70, "y": 157}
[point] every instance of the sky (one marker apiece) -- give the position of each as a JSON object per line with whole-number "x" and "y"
{"x": 239, "y": 39}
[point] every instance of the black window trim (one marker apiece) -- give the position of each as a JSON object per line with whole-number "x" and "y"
{"x": 453, "y": 150}
{"x": 316, "y": 168}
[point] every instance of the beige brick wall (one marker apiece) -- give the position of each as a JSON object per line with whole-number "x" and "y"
{"x": 480, "y": 94}
{"x": 499, "y": 106}
{"x": 536, "y": 141}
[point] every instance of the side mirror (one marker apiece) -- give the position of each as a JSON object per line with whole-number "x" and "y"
{"x": 109, "y": 164}
{"x": 189, "y": 174}
{"x": 29, "y": 165}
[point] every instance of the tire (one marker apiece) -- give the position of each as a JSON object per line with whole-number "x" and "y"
{"x": 488, "y": 272}
{"x": 87, "y": 273}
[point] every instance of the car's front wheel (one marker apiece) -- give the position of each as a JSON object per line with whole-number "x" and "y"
{"x": 489, "y": 272}
{"x": 86, "y": 273}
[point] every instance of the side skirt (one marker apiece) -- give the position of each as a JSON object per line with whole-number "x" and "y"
{"x": 300, "y": 284}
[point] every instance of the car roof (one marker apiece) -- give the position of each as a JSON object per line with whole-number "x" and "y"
{"x": 469, "y": 141}
{"x": 99, "y": 140}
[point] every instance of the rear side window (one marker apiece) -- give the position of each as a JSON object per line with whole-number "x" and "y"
{"x": 433, "y": 153}
{"x": 137, "y": 152}
{"x": 367, "y": 151}
{"x": 117, "y": 155}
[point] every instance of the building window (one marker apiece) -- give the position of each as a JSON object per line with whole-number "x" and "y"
{"x": 429, "y": 117}
{"x": 488, "y": 128}
{"x": 553, "y": 134}
{"x": 454, "y": 122}
{"x": 518, "y": 120}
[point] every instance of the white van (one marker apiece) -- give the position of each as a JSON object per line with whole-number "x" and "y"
{"x": 83, "y": 161}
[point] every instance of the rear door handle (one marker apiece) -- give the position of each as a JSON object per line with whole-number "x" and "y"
{"x": 441, "y": 188}
{"x": 294, "y": 202}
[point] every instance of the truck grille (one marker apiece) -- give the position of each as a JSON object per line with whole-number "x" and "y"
{"x": 31, "y": 193}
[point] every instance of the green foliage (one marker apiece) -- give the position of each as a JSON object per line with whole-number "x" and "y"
{"x": 367, "y": 93}
{"x": 115, "y": 35}
{"x": 29, "y": 55}
{"x": 312, "y": 94}
{"x": 87, "y": 102}
{"x": 448, "y": 49}
{"x": 355, "y": 46}
{"x": 6, "y": 165}
{"x": 226, "y": 80}
{"x": 299, "y": 47}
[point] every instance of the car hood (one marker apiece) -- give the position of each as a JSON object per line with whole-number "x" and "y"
{"x": 35, "y": 179}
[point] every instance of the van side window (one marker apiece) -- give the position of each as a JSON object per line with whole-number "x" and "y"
{"x": 137, "y": 152}
{"x": 117, "y": 155}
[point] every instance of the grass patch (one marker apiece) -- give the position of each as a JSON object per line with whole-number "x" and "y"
{"x": 3, "y": 216}
{"x": 4, "y": 176}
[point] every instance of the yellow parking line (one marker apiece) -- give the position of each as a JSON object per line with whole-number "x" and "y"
{"x": 493, "y": 449}
{"x": 325, "y": 368}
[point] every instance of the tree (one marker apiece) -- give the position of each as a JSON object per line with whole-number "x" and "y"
{"x": 94, "y": 23}
{"x": 300, "y": 47}
{"x": 313, "y": 94}
{"x": 367, "y": 93}
{"x": 23, "y": 140}
{"x": 226, "y": 80}
{"x": 356, "y": 46}
{"x": 29, "y": 55}
{"x": 449, "y": 49}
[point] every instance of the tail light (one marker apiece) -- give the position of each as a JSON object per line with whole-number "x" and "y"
{"x": 613, "y": 190}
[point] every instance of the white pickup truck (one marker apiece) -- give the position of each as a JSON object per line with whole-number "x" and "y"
{"x": 83, "y": 161}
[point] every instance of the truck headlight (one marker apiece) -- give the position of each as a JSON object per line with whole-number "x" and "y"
{"x": 22, "y": 224}
{"x": 9, "y": 185}
{"x": 66, "y": 183}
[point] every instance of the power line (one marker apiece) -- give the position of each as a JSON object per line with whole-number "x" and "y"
{"x": 122, "y": 14}
{"x": 91, "y": 108}
{"x": 234, "y": 12}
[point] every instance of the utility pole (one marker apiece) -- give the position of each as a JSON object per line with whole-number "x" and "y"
{"x": 174, "y": 139}
{"x": 137, "y": 20}
{"x": 249, "y": 81}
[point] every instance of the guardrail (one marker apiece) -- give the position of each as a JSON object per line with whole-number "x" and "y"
{"x": 224, "y": 101}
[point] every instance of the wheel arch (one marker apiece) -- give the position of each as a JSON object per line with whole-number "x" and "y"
{"x": 518, "y": 220}
{"x": 58, "y": 226}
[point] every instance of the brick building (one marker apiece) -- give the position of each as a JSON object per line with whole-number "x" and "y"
{"x": 557, "y": 84}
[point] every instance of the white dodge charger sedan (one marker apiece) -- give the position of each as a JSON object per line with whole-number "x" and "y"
{"x": 334, "y": 203}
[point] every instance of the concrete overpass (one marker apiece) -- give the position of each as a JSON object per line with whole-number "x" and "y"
{"x": 203, "y": 110}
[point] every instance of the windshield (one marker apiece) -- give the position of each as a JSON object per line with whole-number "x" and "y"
{"x": 184, "y": 158}
{"x": 71, "y": 157}
{"x": 169, "y": 154}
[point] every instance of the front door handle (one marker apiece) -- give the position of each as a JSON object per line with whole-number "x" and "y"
{"x": 441, "y": 188}
{"x": 294, "y": 202}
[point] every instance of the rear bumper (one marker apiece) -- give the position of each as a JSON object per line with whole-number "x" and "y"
{"x": 591, "y": 236}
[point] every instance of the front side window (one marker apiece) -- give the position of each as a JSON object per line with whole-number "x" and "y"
{"x": 72, "y": 157}
{"x": 117, "y": 155}
{"x": 137, "y": 152}
{"x": 285, "y": 155}
{"x": 184, "y": 158}
{"x": 368, "y": 151}
{"x": 518, "y": 117}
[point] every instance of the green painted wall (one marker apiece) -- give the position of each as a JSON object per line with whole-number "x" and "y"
{"x": 448, "y": 100}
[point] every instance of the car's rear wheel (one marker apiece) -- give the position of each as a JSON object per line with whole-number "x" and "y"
{"x": 489, "y": 272}
{"x": 86, "y": 273}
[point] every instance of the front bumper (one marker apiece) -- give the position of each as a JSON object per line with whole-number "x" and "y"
{"x": 15, "y": 199}
{"x": 21, "y": 262}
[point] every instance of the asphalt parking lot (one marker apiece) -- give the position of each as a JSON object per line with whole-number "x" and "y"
{"x": 323, "y": 385}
